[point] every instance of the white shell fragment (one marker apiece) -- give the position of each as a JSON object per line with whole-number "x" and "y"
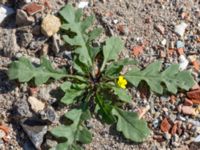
{"x": 5, "y": 11}
{"x": 83, "y": 4}
{"x": 183, "y": 62}
{"x": 180, "y": 29}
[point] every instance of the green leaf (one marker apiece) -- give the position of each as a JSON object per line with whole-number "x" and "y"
{"x": 68, "y": 13}
{"x": 79, "y": 67}
{"x": 78, "y": 26}
{"x": 66, "y": 86}
{"x": 130, "y": 125}
{"x": 122, "y": 94}
{"x": 104, "y": 110}
{"x": 84, "y": 136}
{"x": 172, "y": 78}
{"x": 93, "y": 51}
{"x": 86, "y": 23}
{"x": 111, "y": 50}
{"x": 74, "y": 132}
{"x": 94, "y": 33}
{"x": 24, "y": 71}
{"x": 114, "y": 69}
{"x": 70, "y": 96}
{"x": 72, "y": 91}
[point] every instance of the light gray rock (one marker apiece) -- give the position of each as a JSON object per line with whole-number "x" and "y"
{"x": 35, "y": 131}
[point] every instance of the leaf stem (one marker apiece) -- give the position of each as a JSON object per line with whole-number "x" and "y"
{"x": 75, "y": 77}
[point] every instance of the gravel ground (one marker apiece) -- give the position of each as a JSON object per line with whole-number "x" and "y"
{"x": 148, "y": 29}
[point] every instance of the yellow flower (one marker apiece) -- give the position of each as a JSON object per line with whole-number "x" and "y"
{"x": 122, "y": 82}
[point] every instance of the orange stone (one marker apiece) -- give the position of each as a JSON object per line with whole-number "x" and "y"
{"x": 174, "y": 129}
{"x": 137, "y": 50}
{"x": 165, "y": 126}
{"x": 195, "y": 65}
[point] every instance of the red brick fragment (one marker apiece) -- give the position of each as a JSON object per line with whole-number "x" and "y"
{"x": 195, "y": 101}
{"x": 195, "y": 94}
{"x": 165, "y": 126}
{"x": 137, "y": 50}
{"x": 33, "y": 8}
{"x": 188, "y": 102}
{"x": 174, "y": 129}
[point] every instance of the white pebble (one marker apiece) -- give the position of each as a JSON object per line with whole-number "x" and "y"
{"x": 83, "y": 4}
{"x": 180, "y": 29}
{"x": 115, "y": 21}
{"x": 183, "y": 62}
{"x": 5, "y": 11}
{"x": 164, "y": 42}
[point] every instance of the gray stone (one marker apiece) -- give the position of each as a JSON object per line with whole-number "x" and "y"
{"x": 49, "y": 114}
{"x": 28, "y": 146}
{"x": 22, "y": 108}
{"x": 8, "y": 44}
{"x": 175, "y": 138}
{"x": 22, "y": 19}
{"x": 155, "y": 123}
{"x": 172, "y": 117}
{"x": 25, "y": 38}
{"x": 35, "y": 131}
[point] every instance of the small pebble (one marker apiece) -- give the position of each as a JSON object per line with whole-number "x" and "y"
{"x": 167, "y": 136}
{"x": 164, "y": 42}
{"x": 83, "y": 4}
{"x": 180, "y": 44}
{"x": 180, "y": 28}
{"x": 183, "y": 62}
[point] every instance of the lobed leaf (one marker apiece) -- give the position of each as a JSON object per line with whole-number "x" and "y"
{"x": 73, "y": 133}
{"x": 172, "y": 78}
{"x": 130, "y": 125}
{"x": 74, "y": 23}
{"x": 122, "y": 94}
{"x": 24, "y": 71}
{"x": 111, "y": 50}
{"x": 114, "y": 69}
{"x": 72, "y": 91}
{"x": 104, "y": 109}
